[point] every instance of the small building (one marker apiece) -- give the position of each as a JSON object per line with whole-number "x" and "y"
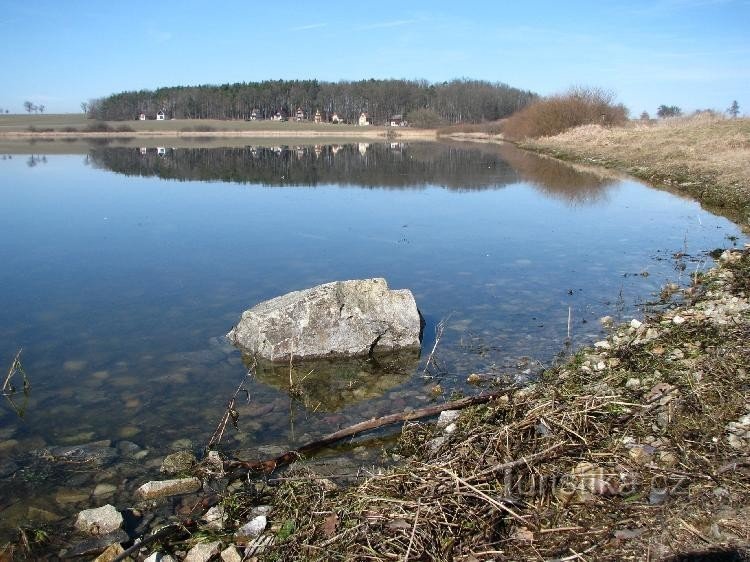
{"x": 335, "y": 119}
{"x": 160, "y": 116}
{"x": 299, "y": 114}
{"x": 364, "y": 119}
{"x": 318, "y": 118}
{"x": 141, "y": 116}
{"x": 278, "y": 116}
{"x": 161, "y": 150}
{"x": 397, "y": 121}
{"x": 256, "y": 115}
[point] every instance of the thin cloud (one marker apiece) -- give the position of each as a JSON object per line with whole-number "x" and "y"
{"x": 311, "y": 26}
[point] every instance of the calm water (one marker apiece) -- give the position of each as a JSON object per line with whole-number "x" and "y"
{"x": 122, "y": 269}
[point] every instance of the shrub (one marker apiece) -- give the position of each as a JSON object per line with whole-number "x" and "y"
{"x": 98, "y": 127}
{"x": 69, "y": 130}
{"x": 124, "y": 129}
{"x": 555, "y": 114}
{"x": 424, "y": 119}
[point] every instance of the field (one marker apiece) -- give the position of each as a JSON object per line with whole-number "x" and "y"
{"x": 704, "y": 157}
{"x": 67, "y": 125}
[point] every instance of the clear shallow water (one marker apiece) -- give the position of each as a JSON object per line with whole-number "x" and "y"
{"x": 121, "y": 271}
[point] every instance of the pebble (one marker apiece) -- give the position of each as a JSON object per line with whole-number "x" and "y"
{"x": 447, "y": 417}
{"x": 635, "y": 324}
{"x": 633, "y": 383}
{"x": 99, "y": 521}
{"x": 203, "y": 552}
{"x": 253, "y": 528}
{"x": 677, "y": 319}
{"x": 165, "y": 488}
{"x": 104, "y": 489}
{"x": 230, "y": 554}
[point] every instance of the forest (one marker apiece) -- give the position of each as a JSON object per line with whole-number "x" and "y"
{"x": 457, "y": 101}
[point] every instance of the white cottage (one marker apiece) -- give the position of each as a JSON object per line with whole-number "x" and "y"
{"x": 364, "y": 119}
{"x": 160, "y": 116}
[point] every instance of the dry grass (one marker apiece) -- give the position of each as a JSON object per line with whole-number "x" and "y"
{"x": 584, "y": 466}
{"x": 705, "y": 157}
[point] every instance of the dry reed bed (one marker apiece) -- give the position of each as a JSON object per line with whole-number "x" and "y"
{"x": 705, "y": 157}
{"x": 623, "y": 453}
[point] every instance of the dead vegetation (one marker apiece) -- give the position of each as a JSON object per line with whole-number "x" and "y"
{"x": 558, "y": 113}
{"x": 625, "y": 453}
{"x": 703, "y": 156}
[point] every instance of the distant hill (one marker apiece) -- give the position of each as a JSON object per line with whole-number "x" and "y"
{"x": 457, "y": 101}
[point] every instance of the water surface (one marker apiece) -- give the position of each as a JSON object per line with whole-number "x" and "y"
{"x": 121, "y": 270}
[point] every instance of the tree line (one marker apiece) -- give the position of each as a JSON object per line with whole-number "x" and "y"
{"x": 457, "y": 101}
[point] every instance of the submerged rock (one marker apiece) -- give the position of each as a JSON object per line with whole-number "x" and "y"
{"x": 180, "y": 461}
{"x": 340, "y": 319}
{"x": 96, "y": 453}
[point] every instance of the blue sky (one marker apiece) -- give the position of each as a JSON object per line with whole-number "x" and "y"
{"x": 691, "y": 53}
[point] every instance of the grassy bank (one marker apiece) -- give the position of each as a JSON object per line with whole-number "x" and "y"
{"x": 706, "y": 158}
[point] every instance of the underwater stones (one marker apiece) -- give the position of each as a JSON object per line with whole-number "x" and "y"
{"x": 165, "y": 488}
{"x": 339, "y": 319}
{"x": 180, "y": 461}
{"x": 99, "y": 521}
{"x": 95, "y": 453}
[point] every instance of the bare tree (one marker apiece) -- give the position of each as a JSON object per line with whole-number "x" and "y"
{"x": 41, "y": 108}
{"x": 28, "y": 106}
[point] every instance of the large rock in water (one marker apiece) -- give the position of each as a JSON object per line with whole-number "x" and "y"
{"x": 340, "y": 319}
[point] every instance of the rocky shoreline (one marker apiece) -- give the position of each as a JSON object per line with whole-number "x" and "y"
{"x": 638, "y": 446}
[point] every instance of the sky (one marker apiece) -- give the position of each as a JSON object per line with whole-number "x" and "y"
{"x": 691, "y": 53}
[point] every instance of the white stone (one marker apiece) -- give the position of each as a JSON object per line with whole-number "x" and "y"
{"x": 606, "y": 321}
{"x": 450, "y": 429}
{"x": 99, "y": 521}
{"x": 633, "y": 383}
{"x": 253, "y": 528}
{"x": 230, "y": 554}
{"x": 340, "y": 319}
{"x": 677, "y": 319}
{"x": 165, "y": 488}
{"x": 447, "y": 417}
{"x": 215, "y": 518}
{"x": 635, "y": 323}
{"x": 203, "y": 552}
{"x": 604, "y": 344}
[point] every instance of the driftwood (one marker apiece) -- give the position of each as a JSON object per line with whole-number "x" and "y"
{"x": 268, "y": 466}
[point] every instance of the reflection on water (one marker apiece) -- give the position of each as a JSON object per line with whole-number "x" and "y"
{"x": 119, "y": 285}
{"x": 331, "y": 385}
{"x": 391, "y": 165}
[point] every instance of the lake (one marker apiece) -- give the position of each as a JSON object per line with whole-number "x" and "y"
{"x": 122, "y": 269}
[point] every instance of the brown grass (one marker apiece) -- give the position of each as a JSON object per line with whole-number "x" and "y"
{"x": 555, "y": 114}
{"x": 706, "y": 157}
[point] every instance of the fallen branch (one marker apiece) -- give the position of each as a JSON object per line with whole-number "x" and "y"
{"x": 14, "y": 366}
{"x": 268, "y": 466}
